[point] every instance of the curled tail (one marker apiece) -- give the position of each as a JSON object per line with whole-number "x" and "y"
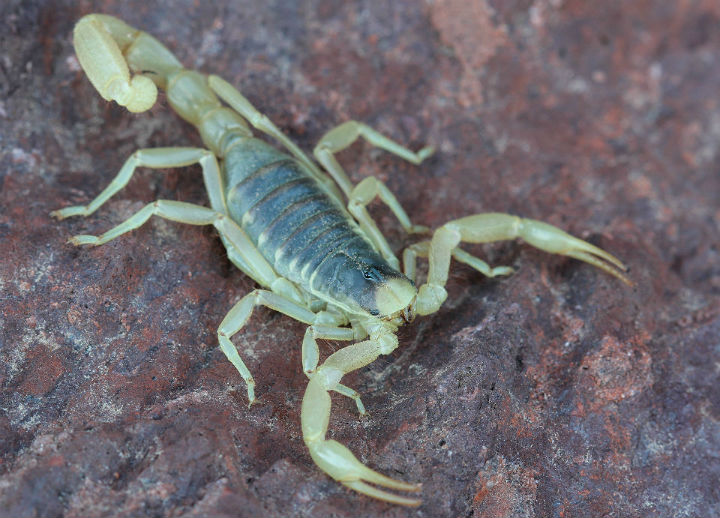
{"x": 109, "y": 49}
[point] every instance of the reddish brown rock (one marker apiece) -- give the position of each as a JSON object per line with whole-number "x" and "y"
{"x": 556, "y": 392}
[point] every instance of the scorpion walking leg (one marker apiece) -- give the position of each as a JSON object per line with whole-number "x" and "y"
{"x": 361, "y": 195}
{"x": 348, "y": 132}
{"x": 173, "y": 210}
{"x": 157, "y": 158}
{"x": 255, "y": 265}
{"x": 422, "y": 249}
{"x": 238, "y": 316}
{"x": 240, "y": 313}
{"x": 486, "y": 228}
{"x": 332, "y": 457}
{"x": 261, "y": 122}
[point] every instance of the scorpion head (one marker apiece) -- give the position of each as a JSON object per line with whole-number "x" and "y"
{"x": 371, "y": 285}
{"x": 395, "y": 297}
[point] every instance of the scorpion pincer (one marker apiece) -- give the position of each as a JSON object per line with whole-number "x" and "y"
{"x": 284, "y": 223}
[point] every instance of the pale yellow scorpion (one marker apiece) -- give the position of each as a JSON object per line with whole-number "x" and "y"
{"x": 284, "y": 223}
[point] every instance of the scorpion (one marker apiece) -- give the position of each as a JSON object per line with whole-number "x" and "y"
{"x": 284, "y": 223}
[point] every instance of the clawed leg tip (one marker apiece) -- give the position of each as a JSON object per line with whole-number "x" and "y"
{"x": 380, "y": 494}
{"x": 502, "y": 271}
{"x": 83, "y": 240}
{"x": 426, "y": 152}
{"x": 414, "y": 488}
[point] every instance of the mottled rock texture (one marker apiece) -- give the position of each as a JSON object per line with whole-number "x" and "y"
{"x": 556, "y": 392}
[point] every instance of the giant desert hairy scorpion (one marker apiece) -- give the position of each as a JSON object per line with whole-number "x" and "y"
{"x": 285, "y": 224}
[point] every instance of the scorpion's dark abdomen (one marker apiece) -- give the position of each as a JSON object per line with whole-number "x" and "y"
{"x": 293, "y": 221}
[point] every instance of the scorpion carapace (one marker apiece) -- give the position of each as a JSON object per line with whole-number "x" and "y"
{"x": 284, "y": 223}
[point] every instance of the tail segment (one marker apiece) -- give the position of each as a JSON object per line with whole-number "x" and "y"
{"x": 109, "y": 49}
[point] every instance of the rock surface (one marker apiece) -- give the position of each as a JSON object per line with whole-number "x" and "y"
{"x": 555, "y": 392}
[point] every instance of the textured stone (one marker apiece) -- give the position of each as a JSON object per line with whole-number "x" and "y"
{"x": 555, "y": 392}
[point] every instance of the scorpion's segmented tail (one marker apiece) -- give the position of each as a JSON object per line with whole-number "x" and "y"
{"x": 109, "y": 49}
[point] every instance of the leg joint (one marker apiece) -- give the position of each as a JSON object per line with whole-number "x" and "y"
{"x": 328, "y": 377}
